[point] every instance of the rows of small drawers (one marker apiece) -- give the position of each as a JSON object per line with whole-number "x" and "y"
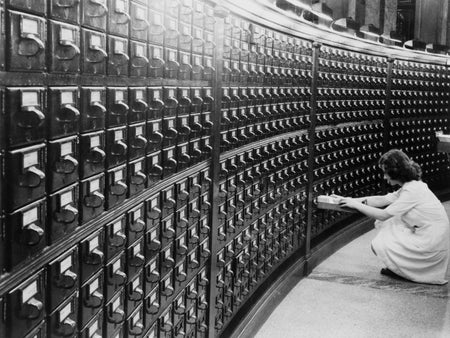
{"x": 240, "y": 72}
{"x": 39, "y": 113}
{"x": 419, "y": 70}
{"x": 236, "y": 285}
{"x": 440, "y": 75}
{"x": 353, "y": 93}
{"x": 326, "y": 65}
{"x": 252, "y": 42}
{"x": 351, "y": 80}
{"x": 129, "y": 178}
{"x": 426, "y": 96}
{"x": 242, "y": 204}
{"x": 65, "y": 49}
{"x": 104, "y": 15}
{"x": 247, "y": 97}
{"x": 129, "y": 312}
{"x": 350, "y": 105}
{"x": 259, "y": 54}
{"x": 126, "y": 237}
{"x": 342, "y": 55}
{"x": 188, "y": 142}
{"x": 243, "y": 268}
{"x": 46, "y": 221}
{"x": 253, "y": 54}
{"x": 414, "y": 84}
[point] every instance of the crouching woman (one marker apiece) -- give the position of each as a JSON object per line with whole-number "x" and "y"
{"x": 414, "y": 234}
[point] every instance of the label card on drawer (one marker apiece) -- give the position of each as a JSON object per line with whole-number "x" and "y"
{"x": 119, "y": 47}
{"x": 155, "y": 160}
{"x": 139, "y": 94}
{"x": 136, "y": 284}
{"x": 172, "y": 24}
{"x": 93, "y": 286}
{"x": 118, "y": 175}
{"x": 137, "y": 167}
{"x": 179, "y": 301}
{"x": 186, "y": 30}
{"x": 156, "y": 55}
{"x": 137, "y": 249}
{"x": 94, "y": 185}
{"x": 157, "y": 19}
{"x": 198, "y": 34}
{"x": 136, "y": 318}
{"x": 96, "y": 40}
{"x": 95, "y": 96}
{"x": 153, "y": 265}
{"x": 29, "y": 292}
{"x": 93, "y": 329}
{"x": 167, "y": 225}
{"x": 65, "y": 264}
{"x": 93, "y": 244}
{"x": 116, "y": 266}
{"x": 117, "y": 227}
{"x": 66, "y": 148}
{"x": 172, "y": 57}
{"x": 139, "y": 52}
{"x": 66, "y": 97}
{"x": 153, "y": 298}
{"x": 66, "y": 198}
{"x": 167, "y": 253}
{"x": 30, "y": 216}
{"x": 156, "y": 95}
{"x": 120, "y": 6}
{"x": 65, "y": 312}
{"x": 166, "y": 317}
{"x": 66, "y": 34}
{"x": 30, "y": 99}
{"x": 139, "y": 130}
{"x": 139, "y": 13}
{"x": 119, "y": 95}
{"x": 30, "y": 159}
{"x": 181, "y": 241}
{"x": 95, "y": 141}
{"x": 154, "y": 203}
{"x": 137, "y": 214}
{"x": 116, "y": 304}
{"x": 29, "y": 26}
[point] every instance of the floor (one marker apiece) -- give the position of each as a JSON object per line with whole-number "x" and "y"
{"x": 346, "y": 296}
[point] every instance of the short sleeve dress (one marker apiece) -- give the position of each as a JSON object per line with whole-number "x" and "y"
{"x": 414, "y": 243}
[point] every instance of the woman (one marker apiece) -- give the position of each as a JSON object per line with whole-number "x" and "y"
{"x": 414, "y": 237}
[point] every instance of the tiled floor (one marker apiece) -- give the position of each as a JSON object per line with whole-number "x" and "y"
{"x": 346, "y": 296}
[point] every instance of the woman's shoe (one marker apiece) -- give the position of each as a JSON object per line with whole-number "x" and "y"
{"x": 389, "y": 273}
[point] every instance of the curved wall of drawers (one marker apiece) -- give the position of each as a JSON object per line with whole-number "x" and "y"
{"x": 160, "y": 159}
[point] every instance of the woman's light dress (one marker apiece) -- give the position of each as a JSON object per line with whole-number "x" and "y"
{"x": 414, "y": 243}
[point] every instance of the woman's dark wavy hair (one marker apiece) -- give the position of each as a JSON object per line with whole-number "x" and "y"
{"x": 399, "y": 166}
